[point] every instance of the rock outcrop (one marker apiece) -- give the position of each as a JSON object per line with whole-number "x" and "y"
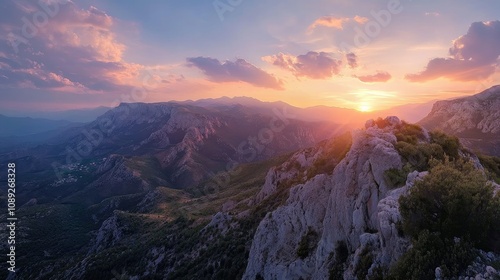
{"x": 353, "y": 206}
{"x": 473, "y": 119}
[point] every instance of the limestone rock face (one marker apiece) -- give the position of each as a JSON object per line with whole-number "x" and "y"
{"x": 294, "y": 167}
{"x": 108, "y": 234}
{"x": 473, "y": 119}
{"x": 351, "y": 205}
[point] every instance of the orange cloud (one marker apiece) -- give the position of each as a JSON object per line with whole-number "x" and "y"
{"x": 73, "y": 49}
{"x": 335, "y": 22}
{"x": 314, "y": 65}
{"x": 379, "y": 77}
{"x": 473, "y": 56}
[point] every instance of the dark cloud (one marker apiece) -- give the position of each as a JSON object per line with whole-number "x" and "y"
{"x": 58, "y": 45}
{"x": 379, "y": 77}
{"x": 239, "y": 70}
{"x": 314, "y": 65}
{"x": 352, "y": 60}
{"x": 473, "y": 56}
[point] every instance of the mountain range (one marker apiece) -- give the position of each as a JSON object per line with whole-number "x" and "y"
{"x": 235, "y": 188}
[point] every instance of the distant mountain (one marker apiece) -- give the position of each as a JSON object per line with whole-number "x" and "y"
{"x": 316, "y": 113}
{"x": 18, "y": 126}
{"x": 77, "y": 115}
{"x": 474, "y": 119}
{"x": 407, "y": 112}
{"x": 169, "y": 144}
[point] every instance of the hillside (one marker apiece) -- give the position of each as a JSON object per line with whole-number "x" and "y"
{"x": 474, "y": 119}
{"x": 17, "y": 126}
{"x": 330, "y": 211}
{"x": 135, "y": 147}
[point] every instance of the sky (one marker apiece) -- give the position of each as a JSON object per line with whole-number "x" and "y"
{"x": 360, "y": 54}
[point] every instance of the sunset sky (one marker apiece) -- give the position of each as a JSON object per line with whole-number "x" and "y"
{"x": 360, "y": 54}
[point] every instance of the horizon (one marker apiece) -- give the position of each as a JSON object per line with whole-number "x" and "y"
{"x": 27, "y": 114}
{"x": 62, "y": 55}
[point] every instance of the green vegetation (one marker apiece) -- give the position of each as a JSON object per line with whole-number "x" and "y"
{"x": 365, "y": 262}
{"x": 307, "y": 244}
{"x": 48, "y": 232}
{"x": 414, "y": 149}
{"x": 397, "y": 177}
{"x": 447, "y": 214}
{"x": 492, "y": 166}
{"x": 416, "y": 152}
{"x": 410, "y": 133}
{"x": 339, "y": 259}
{"x": 429, "y": 251}
{"x": 454, "y": 200}
{"x": 148, "y": 168}
{"x": 333, "y": 152}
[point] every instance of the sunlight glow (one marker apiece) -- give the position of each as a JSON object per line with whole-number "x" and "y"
{"x": 364, "y": 107}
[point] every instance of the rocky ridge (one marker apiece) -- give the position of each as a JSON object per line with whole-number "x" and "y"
{"x": 351, "y": 209}
{"x": 473, "y": 119}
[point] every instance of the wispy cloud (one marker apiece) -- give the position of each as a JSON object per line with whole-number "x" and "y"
{"x": 379, "y": 77}
{"x": 237, "y": 71}
{"x": 314, "y": 65}
{"x": 336, "y": 22}
{"x": 473, "y": 56}
{"x": 432, "y": 14}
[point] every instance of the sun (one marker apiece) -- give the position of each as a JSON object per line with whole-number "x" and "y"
{"x": 363, "y": 107}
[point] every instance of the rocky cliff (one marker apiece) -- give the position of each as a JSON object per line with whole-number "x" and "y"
{"x": 344, "y": 224}
{"x": 474, "y": 119}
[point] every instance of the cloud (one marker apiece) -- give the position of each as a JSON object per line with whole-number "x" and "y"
{"x": 432, "y": 14}
{"x": 57, "y": 45}
{"x": 379, "y": 77}
{"x": 352, "y": 60}
{"x": 336, "y": 22}
{"x": 314, "y": 65}
{"x": 239, "y": 70}
{"x": 473, "y": 56}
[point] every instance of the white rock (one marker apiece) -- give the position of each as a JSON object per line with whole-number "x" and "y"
{"x": 438, "y": 273}
{"x": 339, "y": 207}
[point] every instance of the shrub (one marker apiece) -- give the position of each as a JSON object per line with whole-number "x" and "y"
{"x": 447, "y": 213}
{"x": 307, "y": 244}
{"x": 429, "y": 251}
{"x": 418, "y": 155}
{"x": 450, "y": 144}
{"x": 410, "y": 133}
{"x": 365, "y": 262}
{"x": 397, "y": 177}
{"x": 454, "y": 200}
{"x": 492, "y": 165}
{"x": 381, "y": 123}
{"x": 339, "y": 261}
{"x": 333, "y": 153}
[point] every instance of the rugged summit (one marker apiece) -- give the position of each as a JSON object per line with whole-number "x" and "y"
{"x": 344, "y": 224}
{"x": 342, "y": 207}
{"x": 473, "y": 119}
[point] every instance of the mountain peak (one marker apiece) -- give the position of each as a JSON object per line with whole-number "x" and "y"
{"x": 493, "y": 91}
{"x": 474, "y": 119}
